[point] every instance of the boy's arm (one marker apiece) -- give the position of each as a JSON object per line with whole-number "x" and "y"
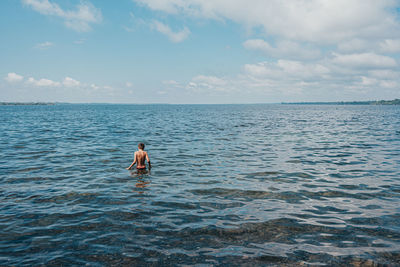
{"x": 133, "y": 163}
{"x": 148, "y": 160}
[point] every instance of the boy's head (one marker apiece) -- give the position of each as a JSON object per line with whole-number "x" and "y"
{"x": 141, "y": 146}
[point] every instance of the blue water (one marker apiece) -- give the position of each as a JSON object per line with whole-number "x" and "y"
{"x": 230, "y": 185}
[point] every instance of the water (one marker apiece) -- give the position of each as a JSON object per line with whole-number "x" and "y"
{"x": 230, "y": 185}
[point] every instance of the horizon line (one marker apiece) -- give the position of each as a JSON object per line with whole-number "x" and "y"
{"x": 161, "y": 103}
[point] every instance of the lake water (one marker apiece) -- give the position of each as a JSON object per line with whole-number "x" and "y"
{"x": 230, "y": 185}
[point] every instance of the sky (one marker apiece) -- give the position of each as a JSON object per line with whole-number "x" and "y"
{"x": 199, "y": 51}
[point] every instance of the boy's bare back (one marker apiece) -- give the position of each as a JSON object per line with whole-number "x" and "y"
{"x": 140, "y": 159}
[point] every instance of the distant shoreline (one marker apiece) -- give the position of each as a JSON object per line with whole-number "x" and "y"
{"x": 27, "y": 103}
{"x": 376, "y": 102}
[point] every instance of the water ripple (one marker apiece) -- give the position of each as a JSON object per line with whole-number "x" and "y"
{"x": 231, "y": 185}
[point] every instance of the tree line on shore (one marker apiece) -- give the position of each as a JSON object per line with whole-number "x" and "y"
{"x": 374, "y": 102}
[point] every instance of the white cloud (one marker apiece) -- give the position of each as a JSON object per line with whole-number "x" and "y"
{"x": 355, "y": 45}
{"x": 175, "y": 37}
{"x": 65, "y": 90}
{"x": 42, "y": 82}
{"x": 290, "y": 80}
{"x": 384, "y": 74}
{"x": 390, "y": 46}
{"x": 286, "y": 69}
{"x": 170, "y": 82}
{"x": 78, "y": 20}
{"x": 209, "y": 84}
{"x": 385, "y": 46}
{"x": 389, "y": 84}
{"x": 312, "y": 20}
{"x": 263, "y": 69}
{"x": 172, "y": 85}
{"x": 13, "y": 77}
{"x": 368, "y": 81}
{"x": 94, "y": 86}
{"x": 258, "y": 44}
{"x": 283, "y": 49}
{"x": 209, "y": 80}
{"x": 44, "y": 45}
{"x": 69, "y": 82}
{"x": 128, "y": 84}
{"x": 314, "y": 48}
{"x": 364, "y": 60}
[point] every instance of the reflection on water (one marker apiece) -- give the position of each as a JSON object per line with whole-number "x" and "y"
{"x": 142, "y": 178}
{"x": 138, "y": 173}
{"x": 230, "y": 185}
{"x": 142, "y": 184}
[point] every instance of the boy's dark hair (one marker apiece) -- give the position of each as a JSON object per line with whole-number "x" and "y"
{"x": 141, "y": 145}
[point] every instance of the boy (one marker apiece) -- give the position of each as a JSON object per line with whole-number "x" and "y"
{"x": 140, "y": 157}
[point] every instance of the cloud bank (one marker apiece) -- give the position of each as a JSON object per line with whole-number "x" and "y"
{"x": 310, "y": 49}
{"x": 42, "y": 82}
{"x": 312, "y": 20}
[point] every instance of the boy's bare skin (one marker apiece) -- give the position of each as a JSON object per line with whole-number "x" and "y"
{"x": 140, "y": 157}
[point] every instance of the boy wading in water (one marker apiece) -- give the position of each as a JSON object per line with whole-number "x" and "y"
{"x": 140, "y": 157}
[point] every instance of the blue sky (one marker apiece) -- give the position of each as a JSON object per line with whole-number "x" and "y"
{"x": 193, "y": 51}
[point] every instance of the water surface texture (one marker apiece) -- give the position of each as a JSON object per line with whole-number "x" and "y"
{"x": 231, "y": 185}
